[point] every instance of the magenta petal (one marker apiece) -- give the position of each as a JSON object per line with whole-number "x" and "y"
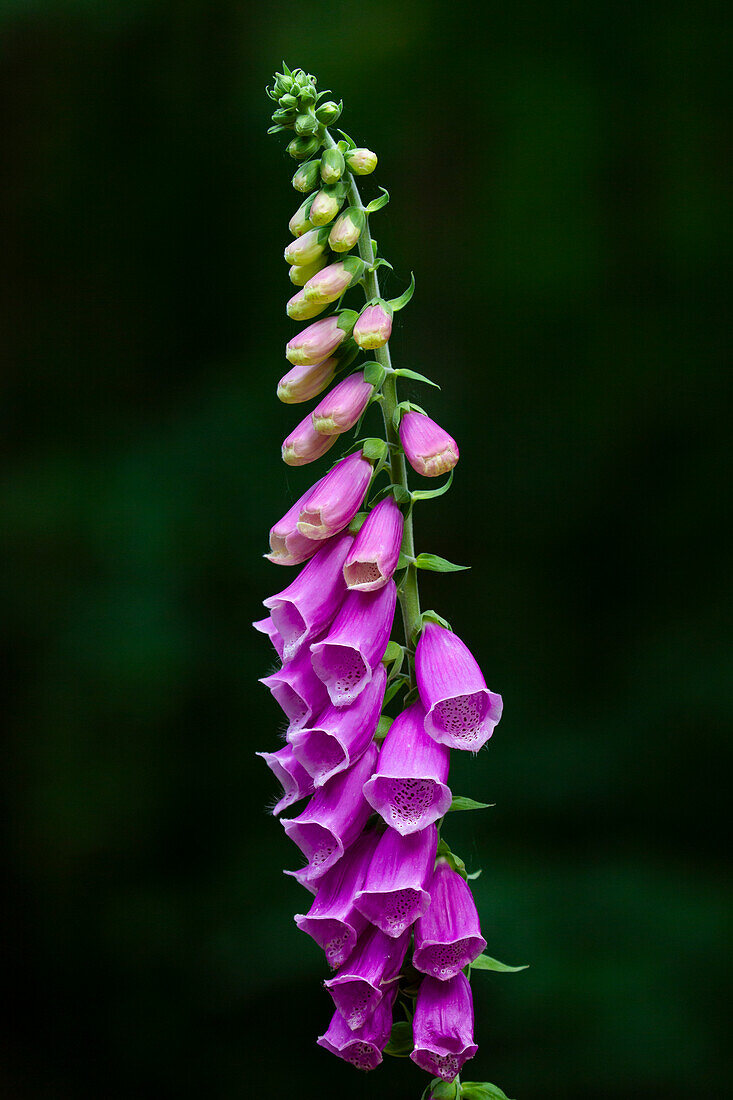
{"x": 461, "y": 711}
{"x": 297, "y": 689}
{"x": 341, "y": 734}
{"x": 307, "y": 606}
{"x": 448, "y": 934}
{"x": 346, "y": 658}
{"x": 296, "y": 782}
{"x": 334, "y": 501}
{"x": 409, "y": 787}
{"x": 395, "y": 890}
{"x": 443, "y": 1026}
{"x": 287, "y": 545}
{"x": 372, "y": 559}
{"x": 267, "y": 626}
{"x": 334, "y": 817}
{"x": 362, "y": 1047}
{"x": 362, "y": 981}
{"x": 332, "y": 920}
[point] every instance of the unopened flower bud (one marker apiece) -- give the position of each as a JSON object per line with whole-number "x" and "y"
{"x": 328, "y": 112}
{"x": 327, "y": 204}
{"x": 341, "y": 408}
{"x": 300, "y": 223}
{"x": 302, "y": 383}
{"x": 374, "y": 327}
{"x": 334, "y": 501}
{"x": 283, "y": 84}
{"x": 315, "y": 343}
{"x": 373, "y": 558}
{"x": 346, "y": 229}
{"x": 361, "y": 161}
{"x": 307, "y": 248}
{"x": 331, "y": 282}
{"x": 284, "y": 116}
{"x": 308, "y": 176}
{"x": 305, "y": 444}
{"x": 288, "y": 100}
{"x": 306, "y": 124}
{"x": 332, "y": 165}
{"x": 301, "y": 273}
{"x": 302, "y": 147}
{"x": 301, "y": 308}
{"x": 428, "y": 447}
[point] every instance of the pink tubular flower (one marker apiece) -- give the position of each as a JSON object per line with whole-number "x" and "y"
{"x": 443, "y": 1026}
{"x": 461, "y": 711}
{"x": 340, "y": 409}
{"x": 367, "y": 975}
{"x": 409, "y": 787}
{"x": 300, "y": 308}
{"x": 288, "y": 546}
{"x": 295, "y": 781}
{"x": 332, "y": 281}
{"x": 307, "y": 249}
{"x": 340, "y": 735}
{"x": 332, "y": 920}
{"x": 334, "y": 501}
{"x": 373, "y": 558}
{"x": 395, "y": 893}
{"x": 428, "y": 448}
{"x": 362, "y": 1047}
{"x": 309, "y": 604}
{"x": 297, "y": 689}
{"x": 302, "y": 383}
{"x": 448, "y": 934}
{"x": 305, "y": 444}
{"x": 333, "y": 818}
{"x": 315, "y": 343}
{"x": 373, "y": 328}
{"x": 267, "y": 626}
{"x": 347, "y": 657}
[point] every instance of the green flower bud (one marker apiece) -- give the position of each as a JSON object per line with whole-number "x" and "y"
{"x": 302, "y": 147}
{"x": 327, "y": 204}
{"x": 328, "y": 112}
{"x": 308, "y": 176}
{"x": 306, "y": 124}
{"x": 361, "y": 161}
{"x": 282, "y": 85}
{"x": 301, "y": 273}
{"x": 332, "y": 165}
{"x": 289, "y": 102}
{"x": 284, "y": 116}
{"x": 300, "y": 223}
{"x": 346, "y": 229}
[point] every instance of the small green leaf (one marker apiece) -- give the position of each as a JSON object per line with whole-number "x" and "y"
{"x": 374, "y": 373}
{"x": 454, "y": 861}
{"x": 485, "y": 962}
{"x": 357, "y": 523}
{"x": 404, "y": 298}
{"x": 379, "y": 202}
{"x": 413, "y": 374}
{"x": 482, "y": 1090}
{"x": 435, "y": 564}
{"x": 374, "y": 449}
{"x": 400, "y": 1041}
{"x": 430, "y": 494}
{"x": 351, "y": 144}
{"x": 381, "y": 262}
{"x": 460, "y": 803}
{"x": 393, "y": 651}
{"x": 403, "y": 561}
{"x": 392, "y": 690}
{"x": 474, "y": 875}
{"x": 433, "y": 617}
{"x": 383, "y": 728}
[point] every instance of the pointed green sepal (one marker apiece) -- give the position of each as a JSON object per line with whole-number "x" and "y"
{"x": 375, "y": 449}
{"x": 485, "y": 962}
{"x": 401, "y": 302}
{"x": 379, "y": 202}
{"x": 434, "y": 564}
{"x": 400, "y": 1043}
{"x": 413, "y": 374}
{"x": 461, "y": 803}
{"x": 430, "y": 494}
{"x": 347, "y": 319}
{"x": 374, "y": 373}
{"x": 481, "y": 1090}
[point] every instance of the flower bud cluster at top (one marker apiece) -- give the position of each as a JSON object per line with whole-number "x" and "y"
{"x": 392, "y": 908}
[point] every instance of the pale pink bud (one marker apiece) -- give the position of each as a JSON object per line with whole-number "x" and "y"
{"x": 307, "y": 248}
{"x": 326, "y": 205}
{"x": 341, "y": 408}
{"x": 301, "y": 308}
{"x": 300, "y": 223}
{"x": 315, "y": 343}
{"x": 346, "y": 229}
{"x": 287, "y": 545}
{"x": 373, "y": 558}
{"x": 331, "y": 282}
{"x": 302, "y": 383}
{"x": 305, "y": 444}
{"x": 361, "y": 161}
{"x": 301, "y": 273}
{"x": 374, "y": 327}
{"x": 428, "y": 447}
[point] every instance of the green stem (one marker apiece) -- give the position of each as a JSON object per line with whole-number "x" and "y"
{"x": 408, "y": 591}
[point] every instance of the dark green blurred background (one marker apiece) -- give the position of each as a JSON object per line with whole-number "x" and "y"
{"x": 557, "y": 186}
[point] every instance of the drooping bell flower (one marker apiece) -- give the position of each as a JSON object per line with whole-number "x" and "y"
{"x": 341, "y": 408}
{"x": 373, "y": 558}
{"x": 295, "y": 781}
{"x": 299, "y": 274}
{"x": 366, "y": 976}
{"x": 443, "y": 1026}
{"x": 288, "y": 546}
{"x": 395, "y": 893}
{"x": 361, "y": 162}
{"x": 305, "y": 444}
{"x": 461, "y": 711}
{"x": 335, "y": 499}
{"x": 300, "y": 308}
{"x": 267, "y": 627}
{"x": 346, "y": 658}
{"x": 298, "y": 691}
{"x": 308, "y": 248}
{"x": 333, "y": 920}
{"x": 309, "y": 604}
{"x": 316, "y": 342}
{"x": 374, "y": 327}
{"x": 302, "y": 383}
{"x": 362, "y": 1047}
{"x": 409, "y": 788}
{"x": 333, "y": 818}
{"x": 428, "y": 447}
{"x": 340, "y": 735}
{"x": 448, "y": 934}
{"x": 346, "y": 230}
{"x": 332, "y": 281}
